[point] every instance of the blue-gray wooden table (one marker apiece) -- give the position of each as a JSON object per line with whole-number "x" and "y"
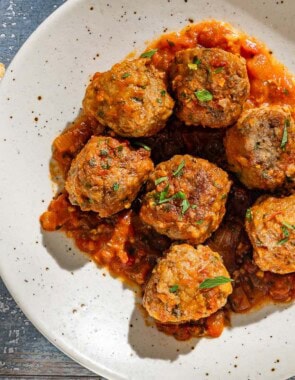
{"x": 24, "y": 352}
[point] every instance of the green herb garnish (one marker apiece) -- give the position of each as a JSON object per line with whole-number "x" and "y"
{"x": 170, "y": 43}
{"x": 105, "y": 165}
{"x": 216, "y": 281}
{"x": 160, "y": 180}
{"x": 142, "y": 145}
{"x": 285, "y": 231}
{"x": 148, "y": 54}
{"x": 159, "y": 100}
{"x": 178, "y": 171}
{"x": 201, "y": 221}
{"x": 163, "y": 92}
{"x": 162, "y": 196}
{"x": 218, "y": 70}
{"x": 137, "y": 99}
{"x": 92, "y": 162}
{"x": 285, "y": 135}
{"x": 282, "y": 241}
{"x": 288, "y": 225}
{"x": 197, "y": 61}
{"x": 185, "y": 206}
{"x": 125, "y": 75}
{"x": 203, "y": 95}
{"x": 173, "y": 288}
{"x": 249, "y": 215}
{"x": 224, "y": 196}
{"x": 104, "y": 152}
{"x": 116, "y": 186}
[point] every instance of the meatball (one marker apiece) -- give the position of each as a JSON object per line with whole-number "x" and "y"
{"x": 173, "y": 293}
{"x": 131, "y": 98}
{"x": 260, "y": 148}
{"x": 186, "y": 198}
{"x": 211, "y": 86}
{"x": 270, "y": 224}
{"x": 106, "y": 175}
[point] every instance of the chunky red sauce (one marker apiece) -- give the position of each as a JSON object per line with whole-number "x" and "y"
{"x": 130, "y": 249}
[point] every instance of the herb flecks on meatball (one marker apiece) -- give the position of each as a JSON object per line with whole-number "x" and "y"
{"x": 186, "y": 198}
{"x": 174, "y": 293}
{"x": 271, "y": 228}
{"x": 260, "y": 148}
{"x": 210, "y": 85}
{"x": 131, "y": 99}
{"x": 107, "y": 175}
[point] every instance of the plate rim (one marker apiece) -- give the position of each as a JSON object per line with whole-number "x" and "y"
{"x": 63, "y": 347}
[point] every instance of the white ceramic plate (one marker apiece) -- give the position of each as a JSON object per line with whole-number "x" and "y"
{"x": 85, "y": 314}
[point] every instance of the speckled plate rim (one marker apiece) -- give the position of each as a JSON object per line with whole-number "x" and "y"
{"x": 103, "y": 371}
{"x": 8, "y": 280}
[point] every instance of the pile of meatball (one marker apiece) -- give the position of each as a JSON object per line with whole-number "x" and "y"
{"x": 185, "y": 197}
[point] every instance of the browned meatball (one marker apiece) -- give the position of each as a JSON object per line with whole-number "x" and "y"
{"x": 211, "y": 86}
{"x": 187, "y": 198}
{"x": 106, "y": 175}
{"x": 260, "y": 148}
{"x": 173, "y": 293}
{"x": 271, "y": 228}
{"x": 131, "y": 98}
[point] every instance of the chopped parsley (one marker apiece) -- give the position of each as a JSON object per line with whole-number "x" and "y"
{"x": 92, "y": 162}
{"x": 120, "y": 148}
{"x": 282, "y": 241}
{"x": 104, "y": 152}
{"x": 162, "y": 196}
{"x": 163, "y": 93}
{"x": 201, "y": 221}
{"x": 288, "y": 225}
{"x": 136, "y": 99}
{"x": 116, "y": 186}
{"x": 203, "y": 95}
{"x": 285, "y": 231}
{"x": 285, "y": 135}
{"x": 197, "y": 61}
{"x": 142, "y": 145}
{"x": 178, "y": 171}
{"x": 148, "y": 54}
{"x": 218, "y": 70}
{"x": 249, "y": 215}
{"x": 216, "y": 281}
{"x": 125, "y": 75}
{"x": 224, "y": 196}
{"x": 159, "y": 100}
{"x": 105, "y": 165}
{"x": 160, "y": 180}
{"x": 173, "y": 288}
{"x": 185, "y": 205}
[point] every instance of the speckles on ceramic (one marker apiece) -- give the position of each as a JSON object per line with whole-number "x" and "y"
{"x": 56, "y": 65}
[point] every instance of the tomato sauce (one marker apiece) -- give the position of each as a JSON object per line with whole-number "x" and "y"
{"x": 130, "y": 249}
